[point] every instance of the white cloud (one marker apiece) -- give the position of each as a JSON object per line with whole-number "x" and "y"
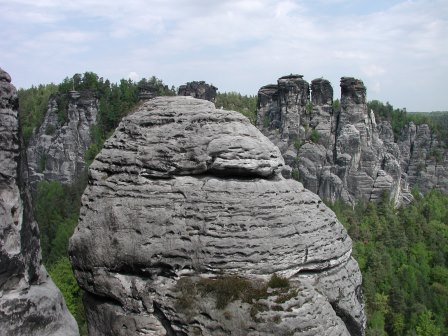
{"x": 237, "y": 44}
{"x": 133, "y": 76}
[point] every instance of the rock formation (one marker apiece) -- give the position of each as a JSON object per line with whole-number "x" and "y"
{"x": 200, "y": 90}
{"x": 183, "y": 199}
{"x": 57, "y": 148}
{"x": 30, "y": 303}
{"x": 337, "y": 152}
{"x": 424, "y": 157}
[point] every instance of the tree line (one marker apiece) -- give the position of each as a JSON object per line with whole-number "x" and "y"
{"x": 402, "y": 253}
{"x": 403, "y": 257}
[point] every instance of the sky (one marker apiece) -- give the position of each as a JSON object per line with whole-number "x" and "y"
{"x": 398, "y": 48}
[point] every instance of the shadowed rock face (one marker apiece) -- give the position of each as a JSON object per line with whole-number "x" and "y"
{"x": 200, "y": 90}
{"x": 183, "y": 192}
{"x": 57, "y": 148}
{"x": 338, "y": 153}
{"x": 30, "y": 303}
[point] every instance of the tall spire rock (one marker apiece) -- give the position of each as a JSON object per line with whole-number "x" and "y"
{"x": 30, "y": 303}
{"x": 337, "y": 152}
{"x": 57, "y": 148}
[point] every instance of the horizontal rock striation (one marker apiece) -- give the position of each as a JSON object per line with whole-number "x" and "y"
{"x": 183, "y": 194}
{"x": 30, "y": 303}
{"x": 57, "y": 148}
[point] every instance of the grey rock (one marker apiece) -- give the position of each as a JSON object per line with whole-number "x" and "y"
{"x": 183, "y": 192}
{"x": 424, "y": 158}
{"x": 340, "y": 154}
{"x": 30, "y": 303}
{"x": 200, "y": 90}
{"x": 56, "y": 151}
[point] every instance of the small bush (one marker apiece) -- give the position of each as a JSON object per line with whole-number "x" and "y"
{"x": 266, "y": 121}
{"x": 230, "y": 288}
{"x": 187, "y": 289}
{"x": 277, "y": 281}
{"x": 50, "y": 129}
{"x": 315, "y": 136}
{"x": 295, "y": 174}
{"x": 257, "y": 308}
{"x": 42, "y": 163}
{"x": 297, "y": 144}
{"x": 282, "y": 298}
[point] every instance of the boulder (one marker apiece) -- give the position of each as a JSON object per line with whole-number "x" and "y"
{"x": 185, "y": 203}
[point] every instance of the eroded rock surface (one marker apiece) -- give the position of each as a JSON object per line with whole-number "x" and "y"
{"x": 183, "y": 194}
{"x": 338, "y": 152}
{"x": 56, "y": 151}
{"x": 30, "y": 303}
{"x": 200, "y": 90}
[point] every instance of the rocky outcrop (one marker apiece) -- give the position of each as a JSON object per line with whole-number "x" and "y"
{"x": 200, "y": 90}
{"x": 338, "y": 152}
{"x": 187, "y": 203}
{"x": 30, "y": 303}
{"x": 424, "y": 157}
{"x": 57, "y": 148}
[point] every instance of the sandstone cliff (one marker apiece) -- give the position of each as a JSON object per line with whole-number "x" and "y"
{"x": 30, "y": 303}
{"x": 184, "y": 200}
{"x": 57, "y": 148}
{"x": 342, "y": 152}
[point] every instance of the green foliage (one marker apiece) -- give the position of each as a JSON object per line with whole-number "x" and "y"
{"x": 314, "y": 136}
{"x": 33, "y": 104}
{"x": 437, "y": 121}
{"x": 336, "y": 105}
{"x": 278, "y": 281}
{"x": 50, "y": 129}
{"x": 295, "y": 174}
{"x": 62, "y": 101}
{"x": 403, "y": 256}
{"x": 266, "y": 121}
{"x": 309, "y": 108}
{"x": 91, "y": 152}
{"x": 298, "y": 144}
{"x": 246, "y": 105}
{"x": 57, "y": 211}
{"x": 62, "y": 275}
{"x": 56, "y": 208}
{"x": 426, "y": 325}
{"x": 41, "y": 163}
{"x": 230, "y": 288}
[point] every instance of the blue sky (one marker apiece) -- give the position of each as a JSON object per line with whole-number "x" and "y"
{"x": 398, "y": 48}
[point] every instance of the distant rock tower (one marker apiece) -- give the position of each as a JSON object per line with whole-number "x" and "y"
{"x": 200, "y": 90}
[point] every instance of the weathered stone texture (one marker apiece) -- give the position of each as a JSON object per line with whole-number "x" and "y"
{"x": 424, "y": 158}
{"x": 338, "y": 153}
{"x": 30, "y": 303}
{"x": 200, "y": 90}
{"x": 183, "y": 191}
{"x": 56, "y": 151}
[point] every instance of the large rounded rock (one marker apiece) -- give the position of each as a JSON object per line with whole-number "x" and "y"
{"x": 184, "y": 196}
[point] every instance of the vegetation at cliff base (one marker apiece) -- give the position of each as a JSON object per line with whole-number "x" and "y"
{"x": 57, "y": 210}
{"x": 403, "y": 257}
